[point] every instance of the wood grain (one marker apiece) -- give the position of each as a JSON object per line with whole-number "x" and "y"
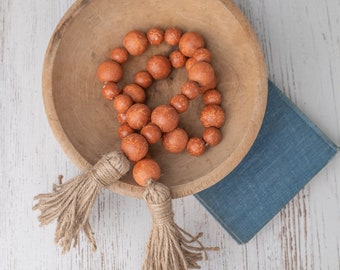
{"x": 301, "y": 41}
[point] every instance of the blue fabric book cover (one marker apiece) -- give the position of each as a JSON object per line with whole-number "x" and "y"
{"x": 287, "y": 153}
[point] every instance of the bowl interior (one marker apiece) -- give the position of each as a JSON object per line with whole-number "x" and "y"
{"x": 85, "y": 123}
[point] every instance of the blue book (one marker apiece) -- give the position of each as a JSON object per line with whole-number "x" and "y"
{"x": 288, "y": 152}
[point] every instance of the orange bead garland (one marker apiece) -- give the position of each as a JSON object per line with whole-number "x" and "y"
{"x": 139, "y": 125}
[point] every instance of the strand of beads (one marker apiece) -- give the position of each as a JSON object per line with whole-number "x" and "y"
{"x": 139, "y": 125}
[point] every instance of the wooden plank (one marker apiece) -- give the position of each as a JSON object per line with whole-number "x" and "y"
{"x": 301, "y": 41}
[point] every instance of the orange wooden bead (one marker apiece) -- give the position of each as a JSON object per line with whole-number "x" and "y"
{"x": 138, "y": 115}
{"x": 152, "y": 133}
{"x": 165, "y": 117}
{"x": 190, "y": 89}
{"x": 121, "y": 118}
{"x": 189, "y": 63}
{"x": 145, "y": 170}
{"x": 135, "y": 92}
{"x": 155, "y": 36}
{"x": 212, "y": 136}
{"x": 172, "y": 36}
{"x": 124, "y": 130}
{"x": 110, "y": 90}
{"x": 175, "y": 141}
{"x": 120, "y": 55}
{"x": 177, "y": 59}
{"x": 212, "y": 116}
{"x": 209, "y": 86}
{"x": 159, "y": 67}
{"x": 109, "y": 71}
{"x": 201, "y": 72}
{"x": 180, "y": 103}
{"x": 122, "y": 103}
{"x": 134, "y": 146}
{"x": 143, "y": 79}
{"x": 135, "y": 42}
{"x": 195, "y": 146}
{"x": 202, "y": 54}
{"x": 212, "y": 97}
{"x": 190, "y": 42}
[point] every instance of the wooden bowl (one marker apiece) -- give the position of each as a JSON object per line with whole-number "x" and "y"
{"x": 84, "y": 123}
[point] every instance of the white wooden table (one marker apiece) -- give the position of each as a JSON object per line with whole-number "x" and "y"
{"x": 301, "y": 41}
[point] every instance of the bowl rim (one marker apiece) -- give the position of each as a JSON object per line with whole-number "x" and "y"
{"x": 177, "y": 191}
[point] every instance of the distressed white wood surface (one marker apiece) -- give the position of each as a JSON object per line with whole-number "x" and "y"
{"x": 301, "y": 41}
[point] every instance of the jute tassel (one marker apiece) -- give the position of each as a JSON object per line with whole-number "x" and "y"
{"x": 71, "y": 203}
{"x": 169, "y": 247}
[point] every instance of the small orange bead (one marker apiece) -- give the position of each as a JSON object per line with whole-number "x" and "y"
{"x": 212, "y": 116}
{"x": 172, "y": 36}
{"x": 180, "y": 103}
{"x": 145, "y": 170}
{"x": 122, "y": 103}
{"x": 124, "y": 130}
{"x": 138, "y": 116}
{"x": 177, "y": 59}
{"x": 135, "y": 92}
{"x": 165, "y": 117}
{"x": 152, "y": 133}
{"x": 120, "y": 55}
{"x": 212, "y": 136}
{"x": 109, "y": 71}
{"x": 212, "y": 97}
{"x": 134, "y": 146}
{"x": 190, "y": 89}
{"x": 196, "y": 146}
{"x": 110, "y": 90}
{"x": 143, "y": 79}
{"x": 189, "y": 63}
{"x": 202, "y": 54}
{"x": 135, "y": 42}
{"x": 155, "y": 36}
{"x": 121, "y": 118}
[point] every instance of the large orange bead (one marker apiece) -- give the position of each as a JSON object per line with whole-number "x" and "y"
{"x": 175, "y": 141}
{"x": 109, "y": 71}
{"x": 138, "y": 116}
{"x": 190, "y": 42}
{"x": 202, "y": 72}
{"x": 159, "y": 67}
{"x": 135, "y": 42}
{"x": 165, "y": 117}
{"x": 134, "y": 146}
{"x": 145, "y": 170}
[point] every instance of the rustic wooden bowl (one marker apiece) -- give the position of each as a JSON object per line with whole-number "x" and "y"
{"x": 84, "y": 123}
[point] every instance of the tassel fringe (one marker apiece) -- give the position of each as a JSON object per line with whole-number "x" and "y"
{"x": 71, "y": 203}
{"x": 169, "y": 247}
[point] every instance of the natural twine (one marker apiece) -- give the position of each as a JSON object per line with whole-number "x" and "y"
{"x": 71, "y": 203}
{"x": 169, "y": 247}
